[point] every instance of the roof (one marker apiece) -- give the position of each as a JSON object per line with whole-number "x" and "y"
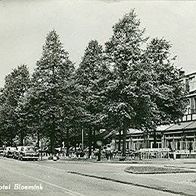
{"x": 137, "y": 131}
{"x": 133, "y": 131}
{"x": 188, "y": 125}
{"x": 192, "y": 125}
{"x": 182, "y": 126}
{"x": 163, "y": 127}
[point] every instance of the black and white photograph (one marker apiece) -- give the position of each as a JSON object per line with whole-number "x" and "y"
{"x": 97, "y": 98}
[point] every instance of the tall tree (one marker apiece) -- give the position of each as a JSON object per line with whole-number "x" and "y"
{"x": 90, "y": 78}
{"x": 16, "y": 83}
{"x": 124, "y": 51}
{"x": 168, "y": 94}
{"x": 53, "y": 71}
{"x": 144, "y": 90}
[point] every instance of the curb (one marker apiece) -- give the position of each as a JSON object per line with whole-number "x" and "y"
{"x": 112, "y": 162}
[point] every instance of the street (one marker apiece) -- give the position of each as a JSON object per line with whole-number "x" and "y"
{"x": 63, "y": 178}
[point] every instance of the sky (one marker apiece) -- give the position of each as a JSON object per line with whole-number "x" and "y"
{"x": 24, "y": 25}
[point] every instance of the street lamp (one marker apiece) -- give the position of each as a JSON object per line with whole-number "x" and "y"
{"x": 99, "y": 144}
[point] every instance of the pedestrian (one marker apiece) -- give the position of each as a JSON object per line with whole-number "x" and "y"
{"x": 190, "y": 147}
{"x": 111, "y": 155}
{"x": 108, "y": 153}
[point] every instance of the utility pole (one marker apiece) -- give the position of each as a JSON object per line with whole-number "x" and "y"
{"x": 41, "y": 149}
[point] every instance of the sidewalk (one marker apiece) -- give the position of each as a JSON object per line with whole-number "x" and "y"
{"x": 117, "y": 161}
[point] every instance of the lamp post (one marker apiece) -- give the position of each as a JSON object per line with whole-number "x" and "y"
{"x": 99, "y": 144}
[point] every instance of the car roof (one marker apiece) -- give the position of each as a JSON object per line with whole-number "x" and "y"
{"x": 10, "y": 147}
{"x": 28, "y": 146}
{"x": 19, "y": 147}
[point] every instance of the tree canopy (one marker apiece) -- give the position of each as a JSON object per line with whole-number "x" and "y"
{"x": 132, "y": 82}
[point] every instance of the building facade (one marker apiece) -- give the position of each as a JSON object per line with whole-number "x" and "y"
{"x": 180, "y": 137}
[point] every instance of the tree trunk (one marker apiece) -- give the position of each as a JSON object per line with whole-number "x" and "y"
{"x": 89, "y": 142}
{"x": 67, "y": 142}
{"x": 52, "y": 143}
{"x": 11, "y": 141}
{"x": 52, "y": 135}
{"x": 61, "y": 141}
{"x": 124, "y": 142}
{"x": 94, "y": 139}
{"x": 155, "y": 139}
{"x": 146, "y": 139}
{"x": 119, "y": 141}
{"x": 1, "y": 141}
{"x": 38, "y": 139}
{"x": 147, "y": 142}
{"x": 11, "y": 138}
{"x": 21, "y": 138}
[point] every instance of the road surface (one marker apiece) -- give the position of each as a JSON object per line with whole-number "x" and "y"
{"x": 26, "y": 178}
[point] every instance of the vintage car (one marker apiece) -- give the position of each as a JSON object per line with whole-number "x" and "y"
{"x": 9, "y": 151}
{"x": 17, "y": 152}
{"x": 1, "y": 151}
{"x": 28, "y": 153}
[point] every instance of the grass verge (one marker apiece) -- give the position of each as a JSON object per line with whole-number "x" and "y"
{"x": 155, "y": 170}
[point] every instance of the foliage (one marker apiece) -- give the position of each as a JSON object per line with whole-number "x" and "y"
{"x": 16, "y": 83}
{"x": 132, "y": 82}
{"x": 145, "y": 89}
{"x": 48, "y": 93}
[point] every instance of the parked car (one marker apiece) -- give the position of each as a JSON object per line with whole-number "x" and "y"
{"x": 9, "y": 151}
{"x": 17, "y": 152}
{"x": 1, "y": 151}
{"x": 28, "y": 153}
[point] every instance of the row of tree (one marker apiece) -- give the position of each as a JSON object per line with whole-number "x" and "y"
{"x": 130, "y": 83}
